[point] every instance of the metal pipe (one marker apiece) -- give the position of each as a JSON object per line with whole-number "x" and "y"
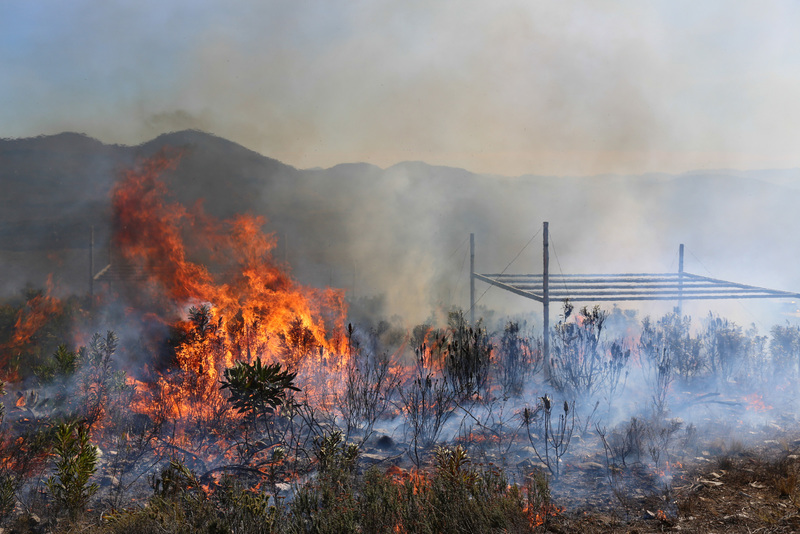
{"x": 472, "y": 279}
{"x": 546, "y": 292}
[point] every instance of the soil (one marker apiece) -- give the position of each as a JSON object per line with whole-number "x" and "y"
{"x": 743, "y": 490}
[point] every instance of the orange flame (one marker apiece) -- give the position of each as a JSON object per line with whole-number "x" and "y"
{"x": 537, "y": 516}
{"x": 30, "y": 319}
{"x": 245, "y": 305}
{"x": 755, "y": 402}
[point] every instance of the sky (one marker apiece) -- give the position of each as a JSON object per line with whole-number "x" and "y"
{"x": 503, "y": 87}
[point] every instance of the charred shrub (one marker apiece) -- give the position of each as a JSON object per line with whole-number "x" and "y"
{"x": 467, "y": 356}
{"x": 297, "y": 342}
{"x": 199, "y": 349}
{"x": 673, "y": 334}
{"x": 584, "y": 367}
{"x": 724, "y": 345}
{"x": 576, "y": 365}
{"x": 428, "y": 403}
{"x": 656, "y": 356}
{"x": 784, "y": 346}
{"x": 519, "y": 358}
{"x": 557, "y": 432}
{"x": 370, "y": 384}
{"x": 624, "y": 441}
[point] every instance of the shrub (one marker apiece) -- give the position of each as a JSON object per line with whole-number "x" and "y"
{"x": 99, "y": 386}
{"x": 256, "y": 389}
{"x": 76, "y": 462}
{"x": 518, "y": 359}
{"x": 370, "y": 383}
{"x": 576, "y": 366}
{"x": 784, "y": 346}
{"x": 468, "y": 355}
{"x": 428, "y": 403}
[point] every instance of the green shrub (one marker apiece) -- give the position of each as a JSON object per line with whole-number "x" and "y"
{"x": 76, "y": 462}
{"x": 257, "y": 390}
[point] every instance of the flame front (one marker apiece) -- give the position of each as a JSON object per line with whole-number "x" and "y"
{"x": 241, "y": 307}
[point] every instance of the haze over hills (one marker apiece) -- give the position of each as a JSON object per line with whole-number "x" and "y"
{"x": 401, "y": 232}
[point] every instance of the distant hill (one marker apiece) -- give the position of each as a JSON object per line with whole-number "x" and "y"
{"x": 401, "y": 232}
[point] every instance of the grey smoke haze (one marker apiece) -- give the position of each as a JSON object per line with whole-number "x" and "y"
{"x": 401, "y": 233}
{"x": 508, "y": 87}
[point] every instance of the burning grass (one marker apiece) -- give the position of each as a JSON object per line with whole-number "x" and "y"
{"x": 236, "y": 399}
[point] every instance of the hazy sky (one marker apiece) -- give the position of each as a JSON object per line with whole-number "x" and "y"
{"x": 509, "y": 87}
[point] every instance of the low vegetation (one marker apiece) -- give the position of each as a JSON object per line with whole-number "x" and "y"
{"x": 451, "y": 429}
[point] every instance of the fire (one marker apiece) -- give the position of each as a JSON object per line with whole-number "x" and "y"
{"x": 755, "y": 402}
{"x": 251, "y": 306}
{"x": 38, "y": 310}
{"x": 539, "y": 515}
{"x": 217, "y": 285}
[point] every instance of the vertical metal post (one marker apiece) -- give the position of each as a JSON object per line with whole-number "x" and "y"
{"x": 546, "y": 292}
{"x": 472, "y": 279}
{"x": 91, "y": 265}
{"x": 680, "y": 281}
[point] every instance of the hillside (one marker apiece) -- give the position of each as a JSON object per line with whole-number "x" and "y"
{"x": 401, "y": 232}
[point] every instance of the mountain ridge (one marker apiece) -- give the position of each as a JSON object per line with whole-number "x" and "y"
{"x": 391, "y": 231}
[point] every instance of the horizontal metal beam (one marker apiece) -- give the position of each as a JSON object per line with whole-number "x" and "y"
{"x": 508, "y": 287}
{"x": 629, "y": 287}
{"x": 577, "y": 276}
{"x": 643, "y": 286}
{"x": 675, "y": 291}
{"x": 675, "y": 297}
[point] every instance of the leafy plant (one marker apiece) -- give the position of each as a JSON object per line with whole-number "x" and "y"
{"x": 62, "y": 364}
{"x": 257, "y": 389}
{"x": 75, "y": 463}
{"x": 99, "y": 385}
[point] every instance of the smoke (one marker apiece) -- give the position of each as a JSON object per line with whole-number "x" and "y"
{"x": 511, "y": 88}
{"x": 401, "y": 234}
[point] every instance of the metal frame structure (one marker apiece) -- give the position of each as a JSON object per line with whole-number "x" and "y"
{"x": 547, "y": 287}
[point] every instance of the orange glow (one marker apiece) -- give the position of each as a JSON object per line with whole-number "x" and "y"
{"x": 538, "y": 516}
{"x": 218, "y": 286}
{"x": 755, "y": 402}
{"x": 30, "y": 319}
